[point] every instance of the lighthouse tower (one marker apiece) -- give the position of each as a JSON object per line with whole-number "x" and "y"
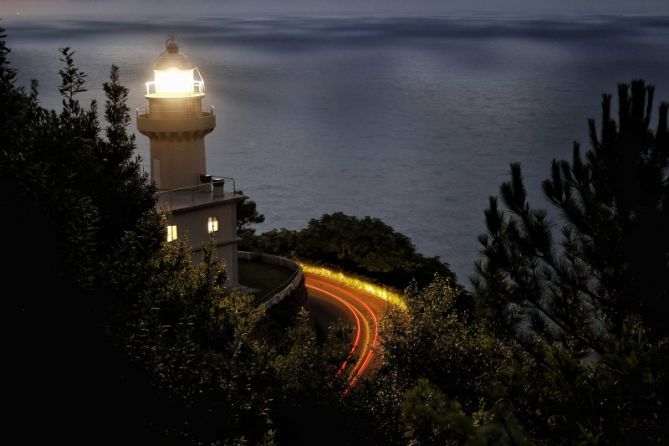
{"x": 200, "y": 206}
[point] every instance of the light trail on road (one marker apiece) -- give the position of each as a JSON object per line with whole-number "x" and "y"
{"x": 358, "y": 329}
{"x": 362, "y": 308}
{"x": 355, "y": 283}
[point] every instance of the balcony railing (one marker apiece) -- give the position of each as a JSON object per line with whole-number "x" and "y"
{"x": 190, "y": 108}
{"x": 198, "y": 89}
{"x": 210, "y": 189}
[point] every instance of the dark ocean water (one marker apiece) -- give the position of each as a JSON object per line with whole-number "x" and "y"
{"x": 412, "y": 120}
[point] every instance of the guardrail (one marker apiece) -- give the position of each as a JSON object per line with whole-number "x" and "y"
{"x": 211, "y": 187}
{"x": 280, "y": 292}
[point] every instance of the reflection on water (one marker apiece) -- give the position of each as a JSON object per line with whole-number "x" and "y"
{"x": 413, "y": 121}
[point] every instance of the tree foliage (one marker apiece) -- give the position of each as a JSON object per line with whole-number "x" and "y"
{"x": 431, "y": 418}
{"x": 247, "y": 215}
{"x": 612, "y": 266}
{"x": 588, "y": 312}
{"x": 64, "y": 238}
{"x": 439, "y": 364}
{"x": 366, "y": 246}
{"x": 437, "y": 340}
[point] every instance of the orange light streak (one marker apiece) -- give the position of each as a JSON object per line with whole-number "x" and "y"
{"x": 365, "y": 363}
{"x": 368, "y": 352}
{"x": 357, "y": 322}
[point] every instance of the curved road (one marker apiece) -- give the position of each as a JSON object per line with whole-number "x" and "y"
{"x": 329, "y": 300}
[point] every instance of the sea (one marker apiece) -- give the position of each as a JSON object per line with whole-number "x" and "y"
{"x": 413, "y": 120}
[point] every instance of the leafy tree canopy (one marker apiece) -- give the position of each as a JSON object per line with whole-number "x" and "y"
{"x": 366, "y": 246}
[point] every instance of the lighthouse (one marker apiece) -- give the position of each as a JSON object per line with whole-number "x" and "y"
{"x": 200, "y": 206}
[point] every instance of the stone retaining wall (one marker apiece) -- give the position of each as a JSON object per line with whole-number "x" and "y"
{"x": 285, "y": 289}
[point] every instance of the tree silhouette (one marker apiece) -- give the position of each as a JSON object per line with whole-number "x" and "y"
{"x": 589, "y": 313}
{"x": 613, "y": 265}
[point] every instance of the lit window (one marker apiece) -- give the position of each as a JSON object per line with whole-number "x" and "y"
{"x": 171, "y": 233}
{"x": 212, "y": 225}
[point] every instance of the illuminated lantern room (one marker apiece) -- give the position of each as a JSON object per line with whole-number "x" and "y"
{"x": 174, "y": 75}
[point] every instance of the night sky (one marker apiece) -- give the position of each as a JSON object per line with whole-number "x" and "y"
{"x": 130, "y": 8}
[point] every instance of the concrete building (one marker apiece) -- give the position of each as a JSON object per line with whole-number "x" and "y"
{"x": 200, "y": 206}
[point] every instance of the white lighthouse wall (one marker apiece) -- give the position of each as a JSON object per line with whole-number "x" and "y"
{"x": 180, "y": 162}
{"x": 192, "y": 223}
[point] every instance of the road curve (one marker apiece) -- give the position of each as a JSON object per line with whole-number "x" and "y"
{"x": 362, "y": 309}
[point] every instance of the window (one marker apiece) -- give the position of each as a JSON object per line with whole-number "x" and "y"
{"x": 212, "y": 225}
{"x": 171, "y": 233}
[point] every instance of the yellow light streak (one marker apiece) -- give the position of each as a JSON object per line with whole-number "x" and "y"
{"x": 383, "y": 293}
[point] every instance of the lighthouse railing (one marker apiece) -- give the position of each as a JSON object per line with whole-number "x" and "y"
{"x": 207, "y": 191}
{"x": 198, "y": 89}
{"x": 204, "y": 109}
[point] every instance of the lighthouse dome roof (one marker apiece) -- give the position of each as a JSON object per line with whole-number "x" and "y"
{"x": 172, "y": 58}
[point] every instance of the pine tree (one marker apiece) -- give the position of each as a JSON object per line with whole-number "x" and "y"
{"x": 590, "y": 313}
{"x": 613, "y": 263}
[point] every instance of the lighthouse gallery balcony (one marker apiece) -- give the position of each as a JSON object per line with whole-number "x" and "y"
{"x": 192, "y": 118}
{"x": 210, "y": 192}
